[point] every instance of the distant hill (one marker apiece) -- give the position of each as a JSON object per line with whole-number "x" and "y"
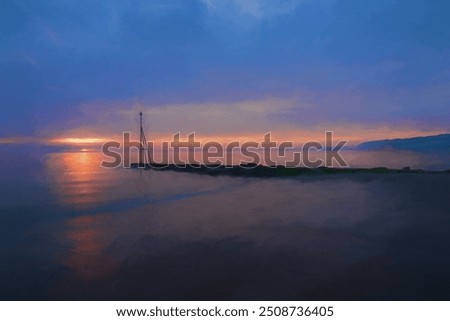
{"x": 436, "y": 143}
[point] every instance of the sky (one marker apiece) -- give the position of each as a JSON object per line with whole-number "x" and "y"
{"x": 224, "y": 69}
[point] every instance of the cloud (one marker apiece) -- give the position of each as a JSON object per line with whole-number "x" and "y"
{"x": 245, "y": 117}
{"x": 355, "y": 115}
{"x": 258, "y": 9}
{"x": 221, "y": 66}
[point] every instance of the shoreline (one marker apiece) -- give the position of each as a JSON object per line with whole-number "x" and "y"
{"x": 253, "y": 170}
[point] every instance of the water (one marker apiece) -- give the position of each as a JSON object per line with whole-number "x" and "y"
{"x": 73, "y": 230}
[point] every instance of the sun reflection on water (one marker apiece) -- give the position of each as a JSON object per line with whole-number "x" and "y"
{"x": 88, "y": 238}
{"x": 77, "y": 178}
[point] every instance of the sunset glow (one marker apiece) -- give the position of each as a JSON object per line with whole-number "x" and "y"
{"x": 79, "y": 140}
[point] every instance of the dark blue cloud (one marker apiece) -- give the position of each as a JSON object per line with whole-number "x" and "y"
{"x": 55, "y": 55}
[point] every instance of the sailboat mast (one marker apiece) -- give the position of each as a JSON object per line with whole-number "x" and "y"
{"x": 141, "y": 143}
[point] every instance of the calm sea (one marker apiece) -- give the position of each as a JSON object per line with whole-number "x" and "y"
{"x": 73, "y": 230}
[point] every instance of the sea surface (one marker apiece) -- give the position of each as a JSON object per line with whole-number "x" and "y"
{"x": 72, "y": 230}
